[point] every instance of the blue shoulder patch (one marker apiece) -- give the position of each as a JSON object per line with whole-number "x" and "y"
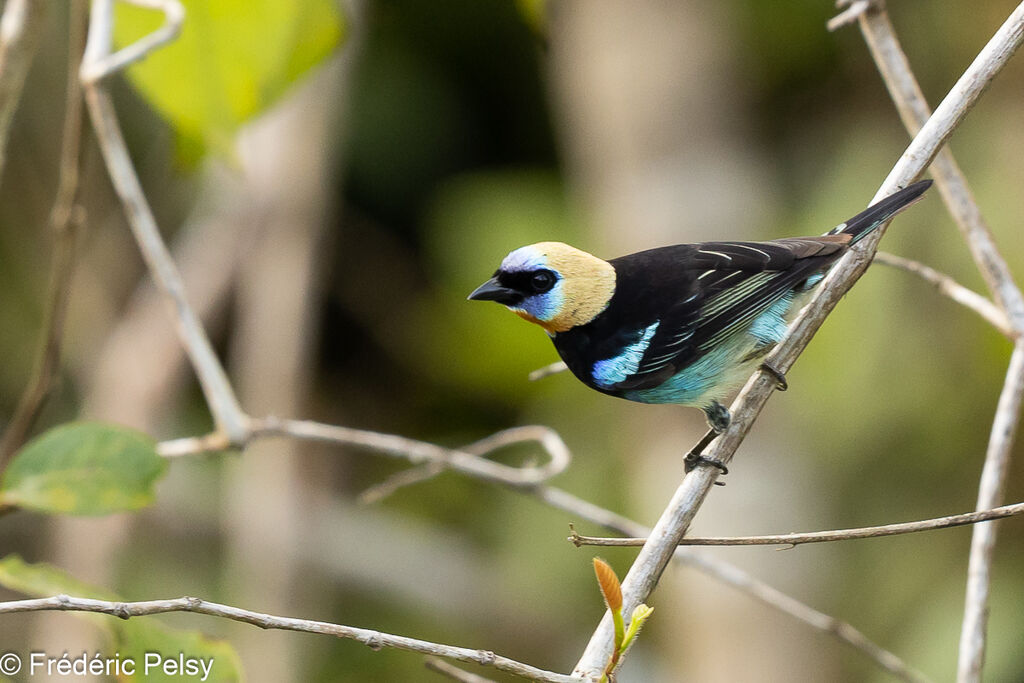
{"x": 611, "y": 371}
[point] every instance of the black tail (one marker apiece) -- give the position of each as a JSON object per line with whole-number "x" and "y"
{"x": 876, "y": 214}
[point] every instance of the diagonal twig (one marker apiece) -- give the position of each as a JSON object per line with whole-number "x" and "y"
{"x": 548, "y": 370}
{"x": 795, "y": 539}
{"x": 461, "y": 460}
{"x": 990, "y": 494}
{"x": 453, "y": 672}
{"x": 65, "y": 222}
{"x": 655, "y": 555}
{"x": 953, "y": 290}
{"x": 218, "y": 392}
{"x": 103, "y": 64}
{"x": 375, "y": 640}
{"x": 20, "y": 27}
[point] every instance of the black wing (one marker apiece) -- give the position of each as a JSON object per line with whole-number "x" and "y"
{"x": 723, "y": 287}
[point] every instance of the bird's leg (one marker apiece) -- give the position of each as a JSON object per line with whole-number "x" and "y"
{"x": 694, "y": 457}
{"x": 780, "y": 377}
{"x": 718, "y": 420}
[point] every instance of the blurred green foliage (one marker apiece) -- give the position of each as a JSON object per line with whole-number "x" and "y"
{"x": 84, "y": 468}
{"x": 233, "y": 59}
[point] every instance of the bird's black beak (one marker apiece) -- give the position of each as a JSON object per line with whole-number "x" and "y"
{"x": 492, "y": 290}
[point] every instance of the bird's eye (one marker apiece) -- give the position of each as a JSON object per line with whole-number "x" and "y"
{"x": 542, "y": 281}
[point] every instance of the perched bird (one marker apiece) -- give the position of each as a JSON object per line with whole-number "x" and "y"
{"x": 682, "y": 324}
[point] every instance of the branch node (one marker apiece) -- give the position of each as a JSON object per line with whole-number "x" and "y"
{"x": 852, "y": 12}
{"x": 374, "y": 642}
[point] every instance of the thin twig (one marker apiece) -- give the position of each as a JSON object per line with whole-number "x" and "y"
{"x": 548, "y": 370}
{"x": 818, "y": 536}
{"x": 375, "y": 640}
{"x": 913, "y": 108}
{"x": 778, "y": 600}
{"x": 983, "y": 540}
{"x": 461, "y": 460}
{"x": 643, "y": 576}
{"x": 399, "y": 480}
{"x": 218, "y": 392}
{"x": 429, "y": 470}
{"x": 20, "y": 28}
{"x": 65, "y": 223}
{"x": 849, "y": 15}
{"x": 104, "y": 64}
{"x": 453, "y": 672}
{"x": 952, "y": 289}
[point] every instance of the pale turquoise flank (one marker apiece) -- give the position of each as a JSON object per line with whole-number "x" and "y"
{"x": 711, "y": 376}
{"x": 617, "y": 369}
{"x": 716, "y": 373}
{"x": 770, "y": 326}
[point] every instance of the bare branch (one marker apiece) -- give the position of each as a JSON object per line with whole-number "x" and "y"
{"x": 65, "y": 220}
{"x": 670, "y": 529}
{"x": 548, "y": 370}
{"x": 455, "y": 673}
{"x": 20, "y": 27}
{"x": 819, "y": 536}
{"x": 952, "y": 289}
{"x": 913, "y": 108}
{"x": 810, "y": 616}
{"x": 400, "y": 480}
{"x": 218, "y": 392}
{"x": 101, "y": 63}
{"x": 849, "y": 15}
{"x": 990, "y": 493}
{"x": 375, "y": 640}
{"x": 465, "y": 460}
{"x": 484, "y": 447}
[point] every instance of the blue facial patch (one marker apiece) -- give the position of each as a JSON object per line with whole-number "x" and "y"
{"x": 543, "y": 306}
{"x": 611, "y": 371}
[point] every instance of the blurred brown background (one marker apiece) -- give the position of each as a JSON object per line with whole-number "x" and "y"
{"x": 331, "y": 258}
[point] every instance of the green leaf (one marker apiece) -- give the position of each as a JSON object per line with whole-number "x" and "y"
{"x": 84, "y": 468}
{"x": 636, "y": 622}
{"x": 132, "y": 638}
{"x": 233, "y": 59}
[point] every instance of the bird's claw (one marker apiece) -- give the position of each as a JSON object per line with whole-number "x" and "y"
{"x": 693, "y": 460}
{"x": 780, "y": 377}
